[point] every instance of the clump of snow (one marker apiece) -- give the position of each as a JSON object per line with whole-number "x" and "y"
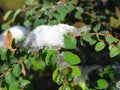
{"x": 18, "y": 32}
{"x": 50, "y": 36}
{"x": 118, "y": 85}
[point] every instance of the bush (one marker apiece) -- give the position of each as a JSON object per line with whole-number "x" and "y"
{"x": 89, "y": 60}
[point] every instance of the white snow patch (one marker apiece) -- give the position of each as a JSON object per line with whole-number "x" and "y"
{"x": 50, "y": 36}
{"x": 18, "y": 32}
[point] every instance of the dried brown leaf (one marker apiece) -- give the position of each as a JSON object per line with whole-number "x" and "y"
{"x": 23, "y": 69}
{"x": 9, "y": 40}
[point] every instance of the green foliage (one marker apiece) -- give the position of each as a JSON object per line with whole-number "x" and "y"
{"x": 9, "y": 77}
{"x": 75, "y": 71}
{"x": 5, "y": 26}
{"x": 102, "y": 84}
{"x": 114, "y": 51}
{"x": 56, "y": 76}
{"x": 24, "y": 70}
{"x": 71, "y": 58}
{"x": 70, "y": 43}
{"x": 51, "y": 57}
{"x": 79, "y": 12}
{"x": 99, "y": 46}
{"x": 17, "y": 70}
{"x": 97, "y": 28}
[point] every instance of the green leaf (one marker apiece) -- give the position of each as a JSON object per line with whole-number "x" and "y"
{"x": 62, "y": 11}
{"x": 37, "y": 64}
{"x": 10, "y": 78}
{"x": 86, "y": 37}
{"x": 75, "y": 71}
{"x": 58, "y": 17}
{"x": 56, "y": 76}
{"x": 5, "y": 26}
{"x": 51, "y": 56}
{"x": 24, "y": 82}
{"x": 1, "y": 80}
{"x": 70, "y": 7}
{"x": 114, "y": 51}
{"x": 28, "y": 64}
{"x": 7, "y": 15}
{"x": 50, "y": 14}
{"x": 99, "y": 46}
{"x": 92, "y": 42}
{"x": 27, "y": 23}
{"x": 39, "y": 22}
{"x": 71, "y": 58}
{"x": 102, "y": 84}
{"x": 3, "y": 54}
{"x": 118, "y": 44}
{"x": 28, "y": 2}
{"x": 16, "y": 13}
{"x": 13, "y": 86}
{"x": 65, "y": 87}
{"x": 53, "y": 22}
{"x": 70, "y": 43}
{"x": 17, "y": 70}
{"x": 97, "y": 28}
{"x": 78, "y": 12}
{"x": 110, "y": 39}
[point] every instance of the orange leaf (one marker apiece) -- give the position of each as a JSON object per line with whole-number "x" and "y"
{"x": 9, "y": 40}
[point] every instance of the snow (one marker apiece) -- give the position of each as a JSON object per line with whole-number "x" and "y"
{"x": 18, "y": 32}
{"x": 50, "y": 36}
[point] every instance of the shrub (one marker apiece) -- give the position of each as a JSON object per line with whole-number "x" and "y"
{"x": 72, "y": 45}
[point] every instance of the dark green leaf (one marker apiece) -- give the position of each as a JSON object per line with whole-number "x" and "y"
{"x": 1, "y": 80}
{"x": 17, "y": 70}
{"x": 10, "y": 78}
